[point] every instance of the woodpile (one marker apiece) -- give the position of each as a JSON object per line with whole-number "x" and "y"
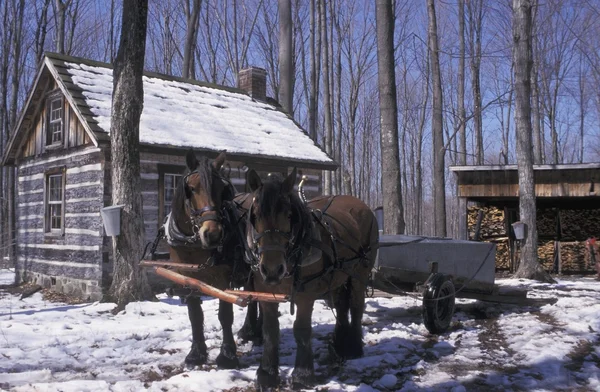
{"x": 579, "y": 225}
{"x": 492, "y": 224}
{"x": 502, "y": 254}
{"x": 576, "y": 227}
{"x": 546, "y": 223}
{"x": 546, "y": 254}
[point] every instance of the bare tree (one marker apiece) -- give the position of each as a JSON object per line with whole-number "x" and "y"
{"x": 388, "y": 106}
{"x": 60, "y": 16}
{"x": 129, "y": 280}
{"x": 315, "y": 62}
{"x": 437, "y": 124}
{"x": 192, "y": 13}
{"x": 475, "y": 12}
{"x": 529, "y": 267}
{"x": 286, "y": 69}
{"x": 462, "y": 126}
{"x": 328, "y": 131}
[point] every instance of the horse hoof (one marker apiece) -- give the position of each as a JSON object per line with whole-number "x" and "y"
{"x": 196, "y": 357}
{"x": 227, "y": 362}
{"x": 248, "y": 334}
{"x": 266, "y": 381}
{"x": 303, "y": 378}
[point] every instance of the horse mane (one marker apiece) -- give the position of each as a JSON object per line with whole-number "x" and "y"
{"x": 205, "y": 171}
{"x": 271, "y": 202}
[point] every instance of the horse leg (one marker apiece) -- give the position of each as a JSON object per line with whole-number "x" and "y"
{"x": 267, "y": 375}
{"x": 303, "y": 375}
{"x": 252, "y": 328}
{"x": 227, "y": 358}
{"x": 197, "y": 355}
{"x": 354, "y": 348}
{"x": 342, "y": 325}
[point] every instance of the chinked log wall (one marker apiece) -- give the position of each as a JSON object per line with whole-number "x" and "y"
{"x": 71, "y": 263}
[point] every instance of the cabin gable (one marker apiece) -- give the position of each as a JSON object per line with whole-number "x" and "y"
{"x": 54, "y": 125}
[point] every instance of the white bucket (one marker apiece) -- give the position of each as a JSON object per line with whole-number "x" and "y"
{"x": 111, "y": 216}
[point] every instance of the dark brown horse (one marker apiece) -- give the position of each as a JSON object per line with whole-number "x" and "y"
{"x": 202, "y": 229}
{"x": 325, "y": 249}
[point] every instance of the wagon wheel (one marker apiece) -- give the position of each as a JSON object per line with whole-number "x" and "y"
{"x": 438, "y": 303}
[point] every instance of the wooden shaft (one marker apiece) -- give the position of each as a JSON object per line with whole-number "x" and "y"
{"x": 257, "y": 296}
{"x": 169, "y": 264}
{"x": 201, "y": 286}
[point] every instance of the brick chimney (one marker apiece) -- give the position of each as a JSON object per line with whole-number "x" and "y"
{"x": 253, "y": 80}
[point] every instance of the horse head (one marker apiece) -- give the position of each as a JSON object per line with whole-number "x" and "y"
{"x": 199, "y": 198}
{"x": 275, "y": 225}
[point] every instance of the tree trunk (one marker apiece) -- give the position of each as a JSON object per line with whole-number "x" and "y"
{"x": 529, "y": 266}
{"x": 129, "y": 280}
{"x": 328, "y": 135}
{"x": 437, "y": 125}
{"x": 286, "y": 68}
{"x": 475, "y": 8}
{"x": 388, "y": 106}
{"x": 315, "y": 61}
{"x": 191, "y": 34}
{"x": 462, "y": 115}
{"x": 61, "y": 8}
{"x": 41, "y": 30}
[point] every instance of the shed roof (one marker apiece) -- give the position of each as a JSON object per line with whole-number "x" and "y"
{"x": 183, "y": 113}
{"x": 572, "y": 185}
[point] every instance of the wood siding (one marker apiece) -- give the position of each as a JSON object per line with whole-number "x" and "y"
{"x": 548, "y": 183}
{"x": 74, "y": 134}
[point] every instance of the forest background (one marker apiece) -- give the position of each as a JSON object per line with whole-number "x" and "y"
{"x": 334, "y": 45}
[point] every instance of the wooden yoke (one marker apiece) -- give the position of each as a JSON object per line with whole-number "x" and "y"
{"x": 237, "y": 297}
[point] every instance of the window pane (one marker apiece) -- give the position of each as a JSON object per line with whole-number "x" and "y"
{"x": 55, "y": 216}
{"x": 55, "y": 188}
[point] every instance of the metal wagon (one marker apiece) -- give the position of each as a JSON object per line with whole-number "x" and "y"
{"x": 441, "y": 269}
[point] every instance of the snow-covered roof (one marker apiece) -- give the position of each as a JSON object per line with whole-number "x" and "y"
{"x": 184, "y": 113}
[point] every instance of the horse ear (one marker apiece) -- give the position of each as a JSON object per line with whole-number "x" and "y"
{"x": 288, "y": 183}
{"x": 191, "y": 160}
{"x": 254, "y": 180}
{"x": 218, "y": 162}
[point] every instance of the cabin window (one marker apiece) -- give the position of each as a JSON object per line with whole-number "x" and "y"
{"x": 169, "y": 177}
{"x": 55, "y": 197}
{"x": 54, "y": 133}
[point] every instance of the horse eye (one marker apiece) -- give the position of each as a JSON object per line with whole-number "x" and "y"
{"x": 191, "y": 189}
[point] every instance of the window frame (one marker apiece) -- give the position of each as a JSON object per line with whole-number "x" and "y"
{"x": 52, "y": 97}
{"x": 164, "y": 170}
{"x": 48, "y": 229}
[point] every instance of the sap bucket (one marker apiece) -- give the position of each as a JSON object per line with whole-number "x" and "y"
{"x": 111, "y": 216}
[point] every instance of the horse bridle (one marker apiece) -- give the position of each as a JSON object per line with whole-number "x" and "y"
{"x": 196, "y": 215}
{"x": 257, "y": 250}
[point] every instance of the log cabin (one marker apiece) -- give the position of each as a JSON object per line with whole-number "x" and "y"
{"x": 61, "y": 149}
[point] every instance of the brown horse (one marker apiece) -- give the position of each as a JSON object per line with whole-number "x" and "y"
{"x": 325, "y": 249}
{"x": 202, "y": 229}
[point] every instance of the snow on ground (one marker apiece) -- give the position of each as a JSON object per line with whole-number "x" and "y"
{"x": 48, "y": 346}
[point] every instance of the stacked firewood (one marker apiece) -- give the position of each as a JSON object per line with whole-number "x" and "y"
{"x": 492, "y": 224}
{"x": 546, "y": 223}
{"x": 576, "y": 227}
{"x": 579, "y": 225}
